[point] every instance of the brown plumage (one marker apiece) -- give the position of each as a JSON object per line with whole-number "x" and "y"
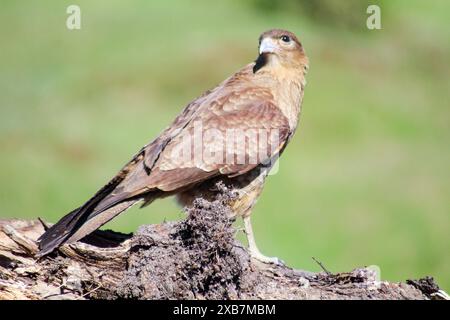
{"x": 264, "y": 96}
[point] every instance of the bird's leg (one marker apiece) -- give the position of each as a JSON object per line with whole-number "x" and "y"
{"x": 253, "y": 249}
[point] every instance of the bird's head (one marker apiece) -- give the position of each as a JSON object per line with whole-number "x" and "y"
{"x": 280, "y": 48}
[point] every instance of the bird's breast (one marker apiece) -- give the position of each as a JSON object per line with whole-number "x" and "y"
{"x": 288, "y": 97}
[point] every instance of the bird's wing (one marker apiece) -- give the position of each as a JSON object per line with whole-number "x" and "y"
{"x": 260, "y": 131}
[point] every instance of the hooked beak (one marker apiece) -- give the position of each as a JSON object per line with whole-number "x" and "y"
{"x": 267, "y": 46}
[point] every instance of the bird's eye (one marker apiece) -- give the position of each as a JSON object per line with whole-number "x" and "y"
{"x": 285, "y": 39}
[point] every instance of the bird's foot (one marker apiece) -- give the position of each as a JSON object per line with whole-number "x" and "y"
{"x": 253, "y": 249}
{"x": 264, "y": 259}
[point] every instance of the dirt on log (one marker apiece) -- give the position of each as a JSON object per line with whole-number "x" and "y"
{"x": 197, "y": 258}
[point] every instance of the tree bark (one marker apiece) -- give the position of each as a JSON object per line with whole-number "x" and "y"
{"x": 197, "y": 258}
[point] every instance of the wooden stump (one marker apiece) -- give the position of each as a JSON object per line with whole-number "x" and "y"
{"x": 197, "y": 258}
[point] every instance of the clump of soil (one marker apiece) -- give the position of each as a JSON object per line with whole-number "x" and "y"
{"x": 195, "y": 258}
{"x": 426, "y": 285}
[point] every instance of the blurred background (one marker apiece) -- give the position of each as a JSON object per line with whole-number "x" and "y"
{"x": 366, "y": 179}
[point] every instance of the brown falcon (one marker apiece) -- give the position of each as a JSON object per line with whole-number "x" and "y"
{"x": 257, "y": 109}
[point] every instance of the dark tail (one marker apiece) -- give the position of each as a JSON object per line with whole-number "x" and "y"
{"x": 101, "y": 208}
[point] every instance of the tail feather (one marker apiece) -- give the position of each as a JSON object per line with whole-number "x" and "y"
{"x": 73, "y": 227}
{"x": 100, "y": 219}
{"x": 107, "y": 203}
{"x": 56, "y": 234}
{"x": 65, "y": 228}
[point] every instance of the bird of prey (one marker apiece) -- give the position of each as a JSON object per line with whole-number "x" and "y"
{"x": 261, "y": 100}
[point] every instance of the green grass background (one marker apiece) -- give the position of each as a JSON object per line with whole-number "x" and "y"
{"x": 365, "y": 180}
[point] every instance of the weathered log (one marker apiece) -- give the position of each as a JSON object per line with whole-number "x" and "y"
{"x": 197, "y": 258}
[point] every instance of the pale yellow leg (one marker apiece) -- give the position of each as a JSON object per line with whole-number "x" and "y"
{"x": 253, "y": 249}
